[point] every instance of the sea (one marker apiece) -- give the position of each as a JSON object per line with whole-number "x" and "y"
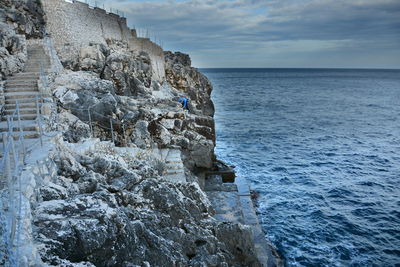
{"x": 321, "y": 147}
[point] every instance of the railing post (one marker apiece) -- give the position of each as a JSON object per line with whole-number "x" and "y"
{"x": 4, "y": 142}
{"x": 21, "y": 131}
{"x": 7, "y": 160}
{"x": 9, "y": 124}
{"x": 112, "y": 131}
{"x": 39, "y": 121}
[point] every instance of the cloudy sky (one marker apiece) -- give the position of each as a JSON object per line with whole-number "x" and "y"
{"x": 273, "y": 33}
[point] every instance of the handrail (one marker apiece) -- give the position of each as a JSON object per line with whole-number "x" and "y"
{"x": 96, "y": 4}
{"x": 10, "y": 167}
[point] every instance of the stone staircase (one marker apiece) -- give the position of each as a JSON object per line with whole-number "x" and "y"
{"x": 22, "y": 88}
{"x": 175, "y": 171}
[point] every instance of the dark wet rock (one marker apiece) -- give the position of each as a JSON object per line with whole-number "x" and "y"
{"x": 12, "y": 51}
{"x": 240, "y": 243}
{"x": 25, "y": 17}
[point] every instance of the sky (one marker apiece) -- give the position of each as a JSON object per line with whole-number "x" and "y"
{"x": 272, "y": 33}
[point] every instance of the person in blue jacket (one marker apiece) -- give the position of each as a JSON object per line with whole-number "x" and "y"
{"x": 184, "y": 102}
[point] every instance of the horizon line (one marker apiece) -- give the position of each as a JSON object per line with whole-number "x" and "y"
{"x": 327, "y": 68}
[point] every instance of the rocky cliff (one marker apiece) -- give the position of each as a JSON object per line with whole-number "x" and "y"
{"x": 109, "y": 208}
{"x": 129, "y": 162}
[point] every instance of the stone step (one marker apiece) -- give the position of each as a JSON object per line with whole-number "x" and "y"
{"x": 28, "y": 125}
{"x": 21, "y": 80}
{"x": 35, "y": 63}
{"x": 168, "y": 162}
{"x": 37, "y": 56}
{"x": 18, "y": 77}
{"x": 21, "y": 105}
{"x": 22, "y": 95}
{"x": 175, "y": 164}
{"x": 33, "y": 69}
{"x": 27, "y": 135}
{"x": 23, "y": 117}
{"x": 25, "y": 74}
{"x": 175, "y": 169}
{"x": 42, "y": 58}
{"x": 21, "y": 86}
{"x": 175, "y": 177}
{"x": 18, "y": 90}
{"x": 35, "y": 51}
{"x": 21, "y": 111}
{"x": 21, "y": 101}
{"x": 32, "y": 128}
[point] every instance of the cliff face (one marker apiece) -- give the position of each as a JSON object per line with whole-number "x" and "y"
{"x": 144, "y": 111}
{"x": 119, "y": 206}
{"x": 182, "y": 76}
{"x": 112, "y": 207}
{"x": 126, "y": 186}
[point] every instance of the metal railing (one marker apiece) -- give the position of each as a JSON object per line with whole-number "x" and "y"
{"x": 14, "y": 152}
{"x": 100, "y": 4}
{"x": 109, "y": 126}
{"x": 13, "y": 159}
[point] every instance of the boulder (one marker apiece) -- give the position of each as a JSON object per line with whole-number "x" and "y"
{"x": 87, "y": 97}
{"x": 73, "y": 129}
{"x": 131, "y": 73}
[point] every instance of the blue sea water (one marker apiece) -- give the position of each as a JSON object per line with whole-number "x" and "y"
{"x": 322, "y": 148}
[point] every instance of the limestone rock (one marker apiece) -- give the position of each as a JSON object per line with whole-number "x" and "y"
{"x": 109, "y": 208}
{"x": 182, "y": 76}
{"x": 130, "y": 73}
{"x": 80, "y": 92}
{"x": 93, "y": 57}
{"x": 25, "y": 16}
{"x": 72, "y": 127}
{"x": 12, "y": 51}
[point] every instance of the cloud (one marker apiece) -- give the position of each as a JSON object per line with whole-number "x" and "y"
{"x": 211, "y": 29}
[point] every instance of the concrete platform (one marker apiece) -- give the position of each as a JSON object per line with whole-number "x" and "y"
{"x": 233, "y": 203}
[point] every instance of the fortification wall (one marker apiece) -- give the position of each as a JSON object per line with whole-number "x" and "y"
{"x": 78, "y": 25}
{"x": 155, "y": 52}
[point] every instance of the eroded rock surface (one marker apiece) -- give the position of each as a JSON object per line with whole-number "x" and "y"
{"x": 181, "y": 75}
{"x": 26, "y": 17}
{"x": 109, "y": 208}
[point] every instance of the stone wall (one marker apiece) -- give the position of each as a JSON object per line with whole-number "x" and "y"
{"x": 76, "y": 25}
{"x": 155, "y": 52}
{"x": 79, "y": 24}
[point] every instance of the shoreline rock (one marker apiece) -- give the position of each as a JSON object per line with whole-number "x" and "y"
{"x": 126, "y": 179}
